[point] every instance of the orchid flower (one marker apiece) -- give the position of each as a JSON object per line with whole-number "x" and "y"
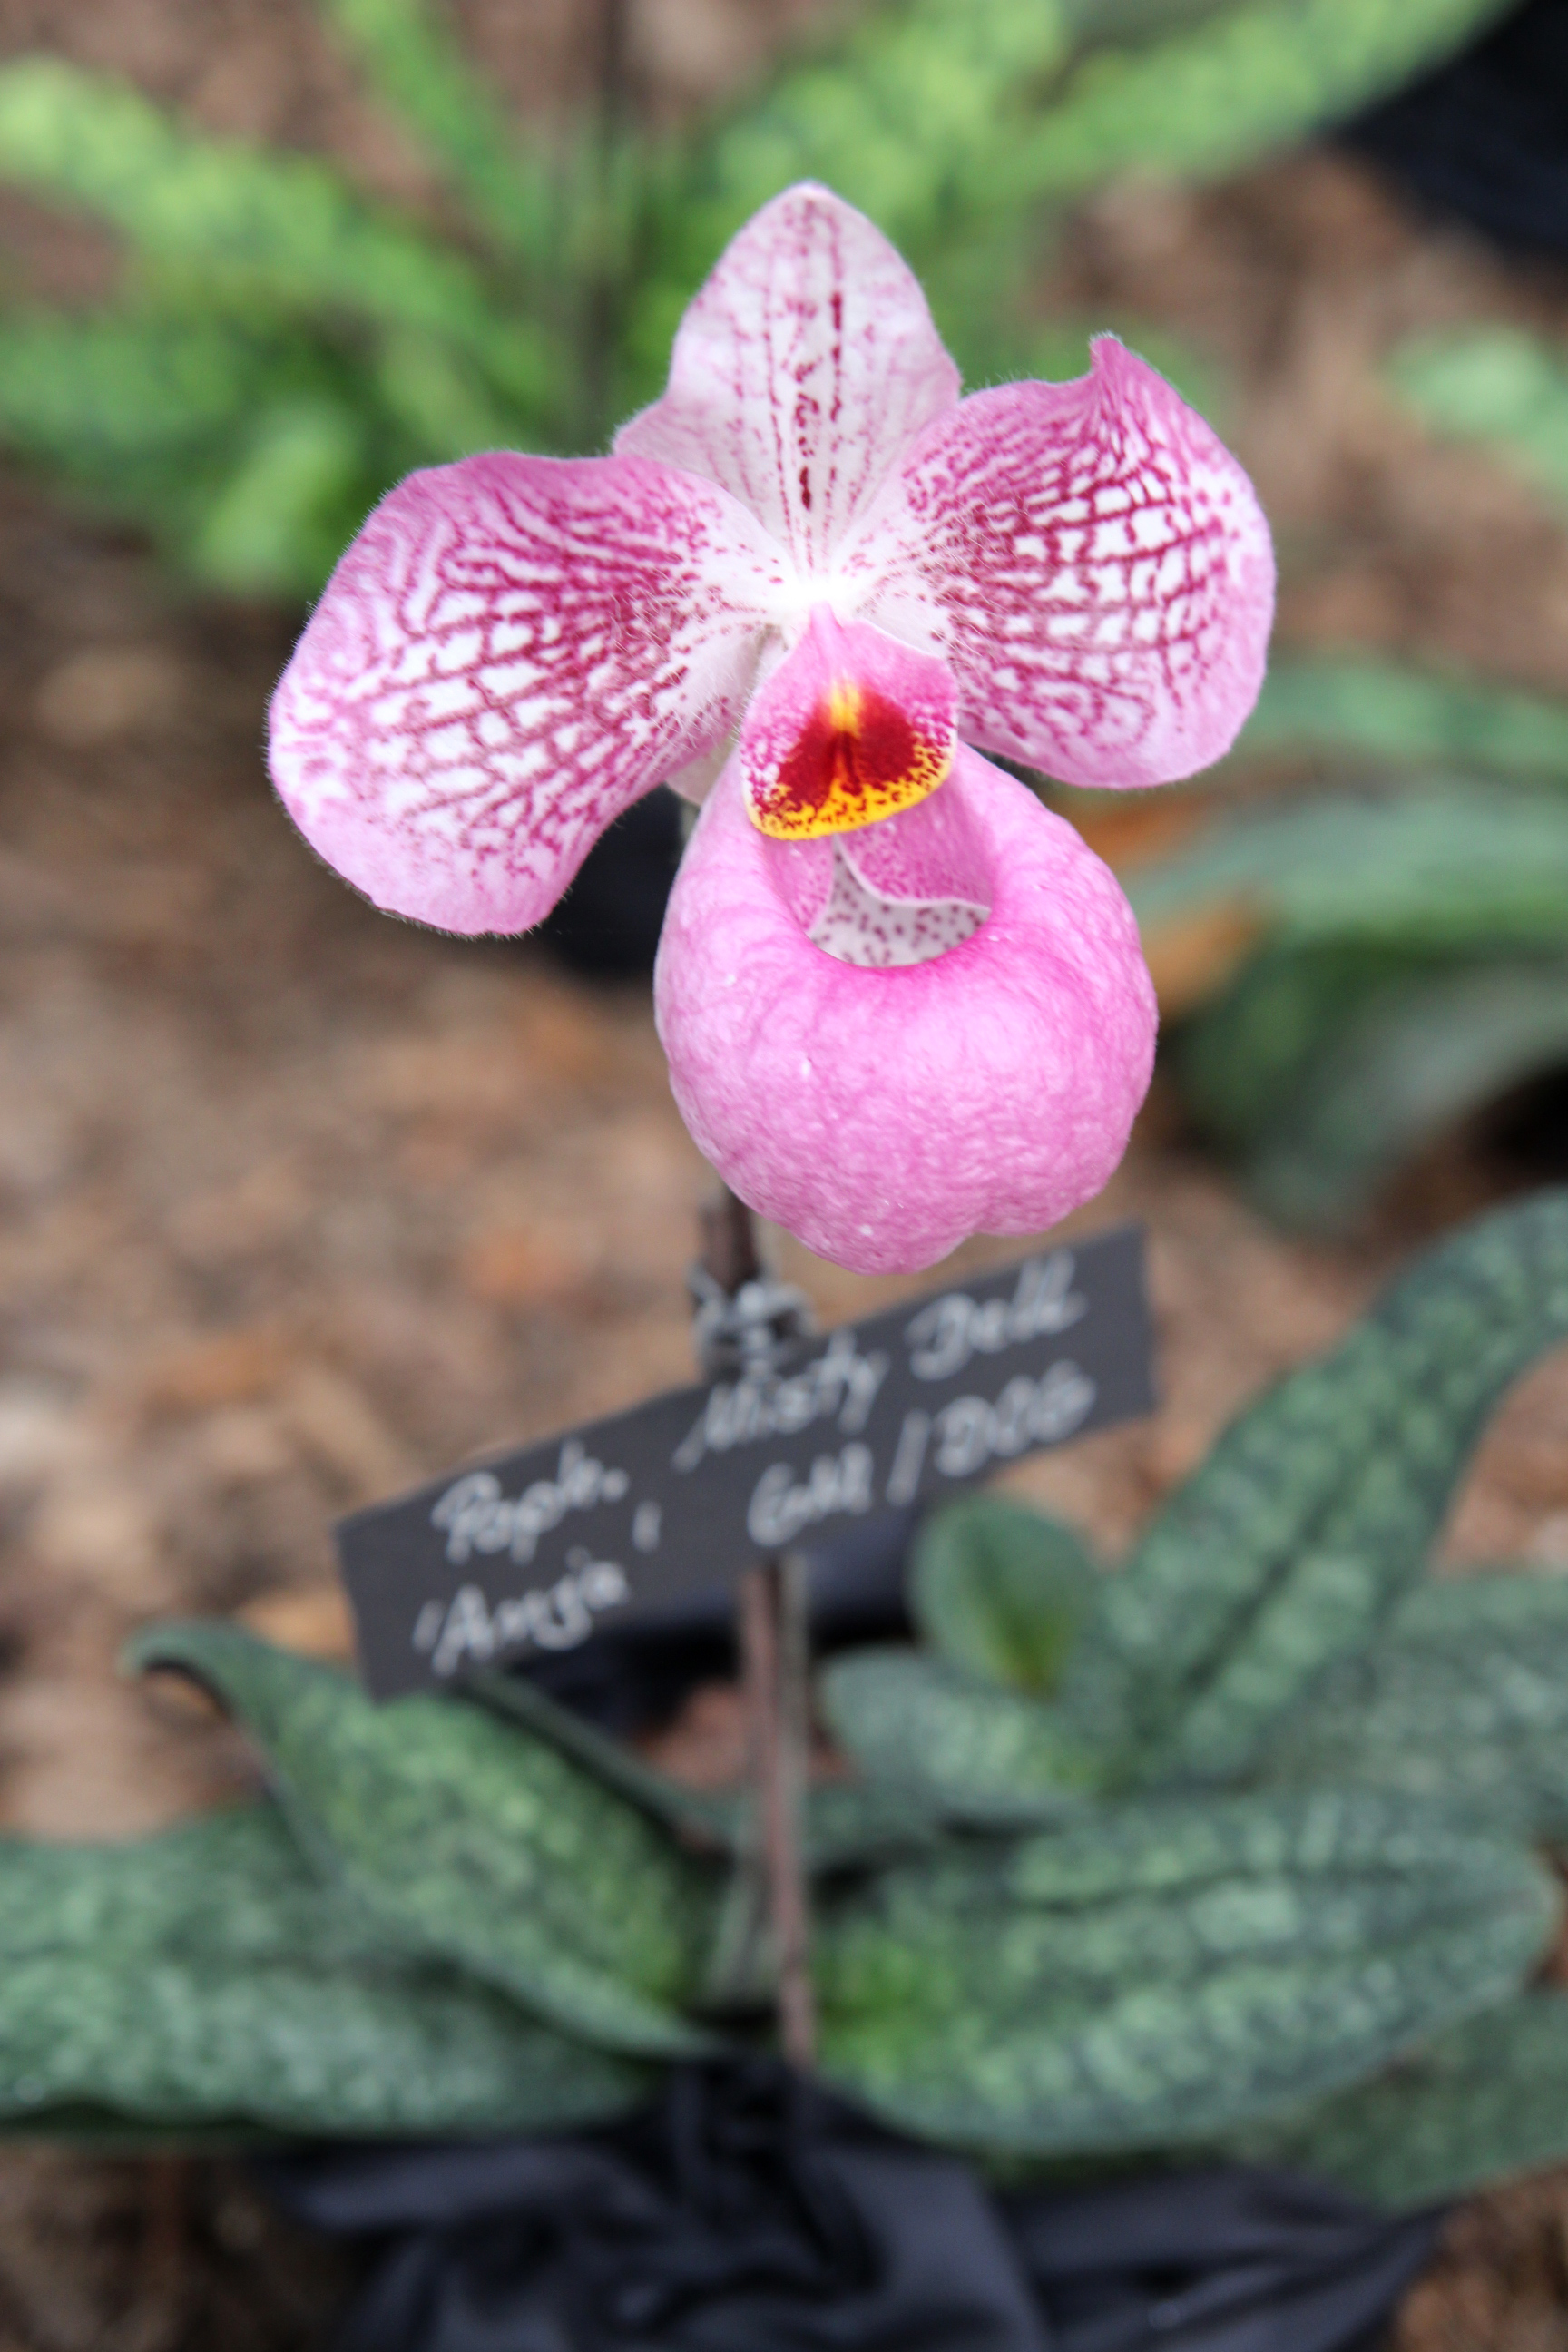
{"x": 901, "y": 1000}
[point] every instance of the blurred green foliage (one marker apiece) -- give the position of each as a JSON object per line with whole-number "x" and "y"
{"x": 1409, "y": 924}
{"x": 281, "y": 348}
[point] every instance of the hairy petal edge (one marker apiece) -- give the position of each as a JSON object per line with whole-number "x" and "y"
{"x": 512, "y": 651}
{"x": 1093, "y": 564}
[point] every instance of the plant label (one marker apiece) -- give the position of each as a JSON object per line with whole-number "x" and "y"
{"x": 610, "y": 1522}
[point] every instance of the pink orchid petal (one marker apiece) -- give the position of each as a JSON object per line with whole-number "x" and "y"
{"x": 802, "y": 369}
{"x": 882, "y": 1115}
{"x": 511, "y": 652}
{"x": 1093, "y": 564}
{"x": 851, "y": 726}
{"x": 934, "y": 850}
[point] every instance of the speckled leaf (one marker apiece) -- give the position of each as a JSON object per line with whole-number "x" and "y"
{"x": 202, "y": 1978}
{"x": 1288, "y": 1546}
{"x": 1000, "y": 1590}
{"x": 1486, "y": 2100}
{"x": 1164, "y": 1970}
{"x": 1464, "y": 1698}
{"x": 472, "y": 1838}
{"x": 843, "y": 1824}
{"x": 974, "y": 1752}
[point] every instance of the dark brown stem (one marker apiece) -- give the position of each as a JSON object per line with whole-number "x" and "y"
{"x": 774, "y": 1663}
{"x": 729, "y": 1250}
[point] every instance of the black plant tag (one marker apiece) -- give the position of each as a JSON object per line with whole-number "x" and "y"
{"x": 610, "y": 1522}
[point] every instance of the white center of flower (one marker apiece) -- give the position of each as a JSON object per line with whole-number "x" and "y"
{"x": 857, "y": 927}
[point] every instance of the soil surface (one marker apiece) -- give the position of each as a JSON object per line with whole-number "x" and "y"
{"x": 298, "y": 1205}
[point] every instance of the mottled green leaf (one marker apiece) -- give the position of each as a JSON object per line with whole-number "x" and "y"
{"x": 472, "y": 1838}
{"x": 1464, "y": 1697}
{"x": 1414, "y": 1062}
{"x": 1164, "y": 1971}
{"x": 202, "y": 1978}
{"x": 1369, "y": 711}
{"x": 1499, "y": 386}
{"x": 1315, "y": 1511}
{"x": 1000, "y": 1590}
{"x": 968, "y": 1749}
{"x": 1478, "y": 2103}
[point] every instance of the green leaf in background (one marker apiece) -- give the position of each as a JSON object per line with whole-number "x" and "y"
{"x": 1411, "y": 1064}
{"x": 1000, "y": 1590}
{"x": 204, "y": 1978}
{"x": 967, "y": 1749}
{"x": 277, "y": 523}
{"x": 236, "y": 224}
{"x": 1464, "y": 1697}
{"x": 1498, "y": 386}
{"x": 1486, "y": 2100}
{"x": 1240, "y": 1060}
{"x": 1451, "y": 867}
{"x": 1362, "y": 709}
{"x": 471, "y": 1839}
{"x": 1315, "y": 1510}
{"x": 1214, "y": 95}
{"x": 1166, "y": 1970}
{"x": 415, "y": 65}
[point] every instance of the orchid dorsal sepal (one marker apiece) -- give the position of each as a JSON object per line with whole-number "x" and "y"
{"x": 812, "y": 550}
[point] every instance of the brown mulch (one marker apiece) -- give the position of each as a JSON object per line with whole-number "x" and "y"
{"x": 298, "y": 1204}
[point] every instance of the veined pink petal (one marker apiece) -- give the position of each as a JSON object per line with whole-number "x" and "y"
{"x": 851, "y": 726}
{"x": 800, "y": 372}
{"x": 511, "y": 652}
{"x": 1093, "y": 564}
{"x": 883, "y": 1115}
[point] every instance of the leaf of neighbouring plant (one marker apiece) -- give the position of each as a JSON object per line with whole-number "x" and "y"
{"x": 417, "y": 67}
{"x": 1450, "y": 868}
{"x": 1485, "y": 2101}
{"x": 235, "y": 222}
{"x": 202, "y": 1978}
{"x": 1211, "y": 96}
{"x": 1463, "y": 1698}
{"x": 1289, "y": 1546}
{"x": 842, "y": 1824}
{"x": 1166, "y": 1970}
{"x": 1000, "y": 1590}
{"x": 1240, "y": 1060}
{"x": 1411, "y": 1065}
{"x": 1499, "y": 386}
{"x": 472, "y": 1839}
{"x": 968, "y": 1750}
{"x": 111, "y": 386}
{"x": 1370, "y": 710}
{"x": 277, "y": 525}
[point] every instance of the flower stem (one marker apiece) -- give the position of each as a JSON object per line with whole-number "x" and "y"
{"x": 775, "y": 1659}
